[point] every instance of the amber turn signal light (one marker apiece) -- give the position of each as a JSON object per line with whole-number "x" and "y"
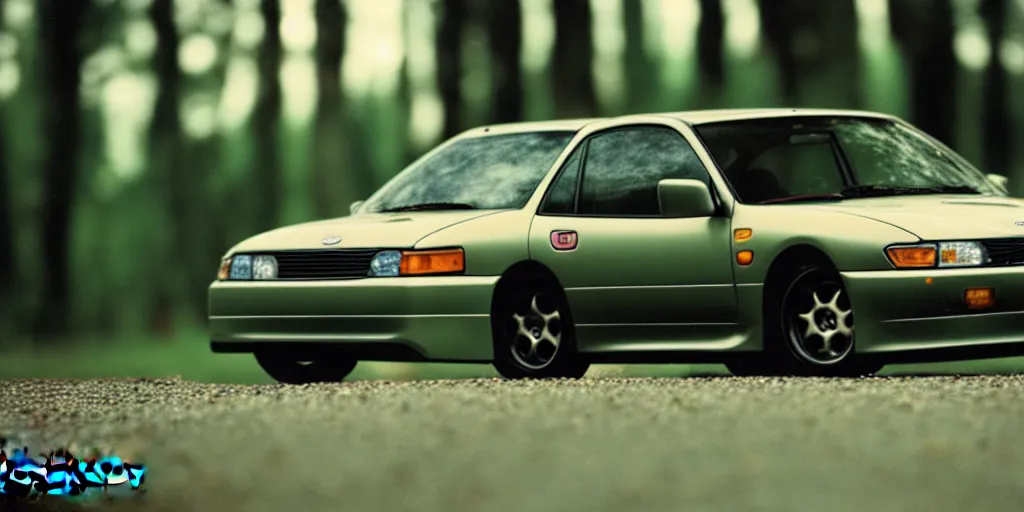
{"x": 745, "y": 257}
{"x": 743, "y": 234}
{"x": 977, "y": 298}
{"x": 912, "y": 257}
{"x": 225, "y": 270}
{"x": 432, "y": 262}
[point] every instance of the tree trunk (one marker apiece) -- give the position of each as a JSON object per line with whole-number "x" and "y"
{"x": 571, "y": 73}
{"x": 842, "y": 43}
{"x": 815, "y": 43}
{"x": 778, "y": 25}
{"x": 6, "y": 227}
{"x": 204, "y": 204}
{"x": 454, "y": 16}
{"x": 641, "y": 81}
{"x": 6, "y": 222}
{"x": 169, "y": 175}
{"x": 59, "y": 22}
{"x": 710, "y": 43}
{"x": 996, "y": 134}
{"x": 266, "y": 119}
{"x": 333, "y": 192}
{"x": 504, "y": 27}
{"x": 405, "y": 96}
{"x": 924, "y": 30}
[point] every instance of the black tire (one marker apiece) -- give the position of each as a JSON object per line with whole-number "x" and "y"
{"x": 815, "y": 293}
{"x": 545, "y": 318}
{"x": 287, "y": 369}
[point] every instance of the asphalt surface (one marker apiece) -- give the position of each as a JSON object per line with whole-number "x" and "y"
{"x": 913, "y": 443}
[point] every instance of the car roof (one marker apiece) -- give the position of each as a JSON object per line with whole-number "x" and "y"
{"x": 696, "y": 117}
{"x": 568, "y": 125}
{"x": 692, "y": 117}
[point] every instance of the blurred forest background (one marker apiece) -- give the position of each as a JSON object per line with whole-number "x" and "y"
{"x": 140, "y": 139}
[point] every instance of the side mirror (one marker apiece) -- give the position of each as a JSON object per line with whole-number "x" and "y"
{"x": 354, "y": 207}
{"x": 1000, "y": 181}
{"x": 685, "y": 199}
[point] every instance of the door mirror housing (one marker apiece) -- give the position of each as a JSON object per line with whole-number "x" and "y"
{"x": 354, "y": 207}
{"x": 685, "y": 198}
{"x": 1000, "y": 181}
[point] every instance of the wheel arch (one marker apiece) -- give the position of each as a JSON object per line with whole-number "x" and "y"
{"x": 791, "y": 258}
{"x": 782, "y": 269}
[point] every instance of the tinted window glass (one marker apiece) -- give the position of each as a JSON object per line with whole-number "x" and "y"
{"x": 562, "y": 195}
{"x": 768, "y": 159}
{"x": 491, "y": 172}
{"x": 623, "y": 168}
{"x": 889, "y": 154}
{"x": 803, "y": 166}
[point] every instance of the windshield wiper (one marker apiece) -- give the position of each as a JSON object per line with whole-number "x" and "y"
{"x": 811, "y": 197}
{"x": 430, "y": 206}
{"x": 885, "y": 190}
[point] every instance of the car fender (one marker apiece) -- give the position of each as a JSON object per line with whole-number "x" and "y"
{"x": 493, "y": 243}
{"x": 852, "y": 242}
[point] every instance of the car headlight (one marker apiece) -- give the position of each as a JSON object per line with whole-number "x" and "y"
{"x": 247, "y": 267}
{"x": 940, "y": 254}
{"x": 241, "y": 268}
{"x": 418, "y": 262}
{"x": 264, "y": 268}
{"x": 386, "y": 264}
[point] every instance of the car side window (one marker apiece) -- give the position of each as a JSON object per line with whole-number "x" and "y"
{"x": 623, "y": 168}
{"x": 561, "y": 198}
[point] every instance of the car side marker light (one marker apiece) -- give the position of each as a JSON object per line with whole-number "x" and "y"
{"x": 978, "y": 298}
{"x": 745, "y": 258}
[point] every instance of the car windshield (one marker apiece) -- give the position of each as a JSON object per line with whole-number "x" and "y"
{"x": 807, "y": 159}
{"x": 489, "y": 172}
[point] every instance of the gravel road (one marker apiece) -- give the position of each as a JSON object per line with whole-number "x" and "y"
{"x": 911, "y": 443}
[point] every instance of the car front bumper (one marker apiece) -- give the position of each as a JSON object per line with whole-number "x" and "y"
{"x": 903, "y": 316}
{"x": 442, "y": 318}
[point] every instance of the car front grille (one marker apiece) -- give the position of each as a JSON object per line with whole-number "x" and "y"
{"x": 1005, "y": 251}
{"x": 323, "y": 263}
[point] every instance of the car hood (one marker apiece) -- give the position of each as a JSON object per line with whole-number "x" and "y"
{"x": 391, "y": 230}
{"x": 938, "y": 217}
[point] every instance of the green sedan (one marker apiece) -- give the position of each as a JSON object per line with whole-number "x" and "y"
{"x": 743, "y": 237}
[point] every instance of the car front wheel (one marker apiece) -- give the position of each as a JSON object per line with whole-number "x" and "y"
{"x": 534, "y": 337}
{"x": 815, "y": 334}
{"x": 291, "y": 370}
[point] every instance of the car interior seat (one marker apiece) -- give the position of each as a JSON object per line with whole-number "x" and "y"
{"x": 757, "y": 185}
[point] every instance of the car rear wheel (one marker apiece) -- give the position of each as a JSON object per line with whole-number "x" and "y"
{"x": 813, "y": 331}
{"x": 534, "y": 336}
{"x": 289, "y": 369}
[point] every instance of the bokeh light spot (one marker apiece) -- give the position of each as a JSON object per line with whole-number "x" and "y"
{"x": 198, "y": 54}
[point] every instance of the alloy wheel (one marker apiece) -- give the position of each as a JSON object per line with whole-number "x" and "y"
{"x": 818, "y": 320}
{"x": 536, "y": 332}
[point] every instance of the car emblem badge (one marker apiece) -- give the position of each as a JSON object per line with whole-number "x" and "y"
{"x": 564, "y": 240}
{"x": 1020, "y": 223}
{"x": 331, "y": 240}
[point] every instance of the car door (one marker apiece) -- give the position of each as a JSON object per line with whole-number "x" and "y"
{"x": 631, "y": 274}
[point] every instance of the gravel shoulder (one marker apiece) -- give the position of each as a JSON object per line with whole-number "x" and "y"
{"x": 900, "y": 443}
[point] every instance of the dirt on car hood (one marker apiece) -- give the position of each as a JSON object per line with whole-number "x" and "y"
{"x": 945, "y": 217}
{"x": 386, "y": 230}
